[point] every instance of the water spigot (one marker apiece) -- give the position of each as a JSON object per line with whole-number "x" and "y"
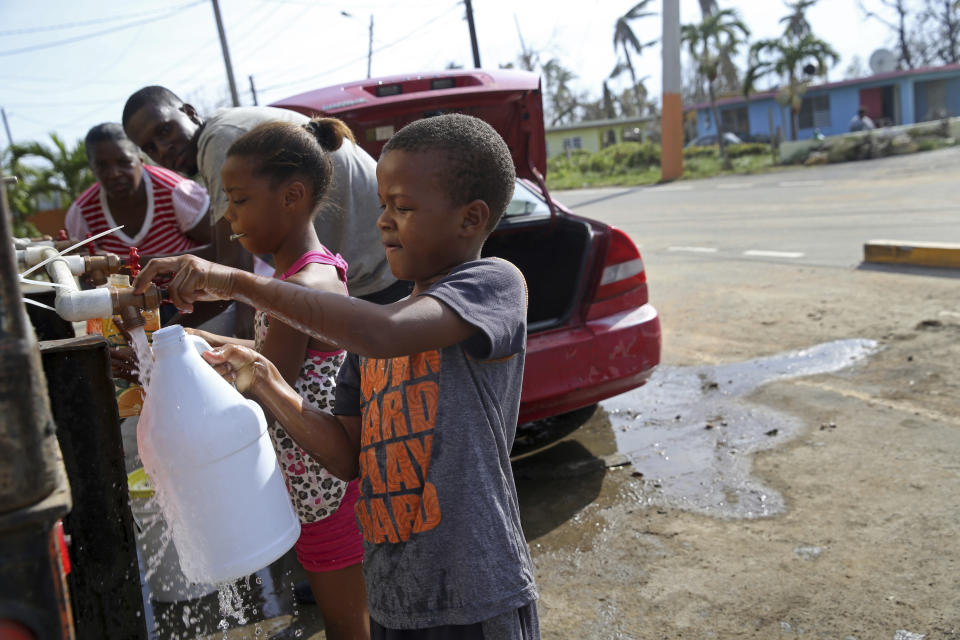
{"x": 132, "y": 318}
{"x": 129, "y": 306}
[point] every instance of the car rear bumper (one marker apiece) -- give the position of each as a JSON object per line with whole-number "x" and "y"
{"x": 572, "y": 368}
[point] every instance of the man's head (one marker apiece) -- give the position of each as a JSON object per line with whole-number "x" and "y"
{"x": 114, "y": 159}
{"x": 163, "y": 126}
{"x": 477, "y": 162}
{"x": 861, "y": 112}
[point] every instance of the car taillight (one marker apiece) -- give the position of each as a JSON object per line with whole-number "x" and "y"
{"x": 623, "y": 269}
{"x": 623, "y": 280}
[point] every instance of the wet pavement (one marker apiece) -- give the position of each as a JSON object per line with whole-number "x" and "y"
{"x": 692, "y": 432}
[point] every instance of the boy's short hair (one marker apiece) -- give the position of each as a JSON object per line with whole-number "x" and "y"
{"x": 154, "y": 94}
{"x": 479, "y": 165}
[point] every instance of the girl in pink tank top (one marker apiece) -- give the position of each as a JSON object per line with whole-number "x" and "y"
{"x": 275, "y": 176}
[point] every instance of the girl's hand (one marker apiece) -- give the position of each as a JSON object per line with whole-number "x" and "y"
{"x": 238, "y": 365}
{"x": 195, "y": 280}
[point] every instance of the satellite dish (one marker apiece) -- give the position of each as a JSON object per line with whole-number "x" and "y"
{"x": 883, "y": 61}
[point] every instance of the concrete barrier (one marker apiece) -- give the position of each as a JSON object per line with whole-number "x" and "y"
{"x": 923, "y": 254}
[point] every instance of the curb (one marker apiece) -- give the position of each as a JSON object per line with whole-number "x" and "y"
{"x": 923, "y": 254}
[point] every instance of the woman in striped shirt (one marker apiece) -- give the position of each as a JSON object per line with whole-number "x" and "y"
{"x": 161, "y": 211}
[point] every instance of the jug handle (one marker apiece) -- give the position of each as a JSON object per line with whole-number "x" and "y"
{"x": 199, "y": 343}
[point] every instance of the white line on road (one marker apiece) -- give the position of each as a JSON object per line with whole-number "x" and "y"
{"x": 774, "y": 254}
{"x": 800, "y": 183}
{"x": 694, "y": 249}
{"x": 735, "y": 185}
{"x": 676, "y": 187}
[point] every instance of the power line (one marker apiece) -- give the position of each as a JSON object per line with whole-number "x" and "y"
{"x": 85, "y": 23}
{"x": 377, "y": 50}
{"x": 57, "y": 43}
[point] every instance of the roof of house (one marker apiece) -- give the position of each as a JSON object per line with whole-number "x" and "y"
{"x": 879, "y": 77}
{"x": 592, "y": 124}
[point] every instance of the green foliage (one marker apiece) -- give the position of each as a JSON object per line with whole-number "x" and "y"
{"x": 57, "y": 172}
{"x": 707, "y": 151}
{"x": 748, "y": 149}
{"x": 636, "y": 163}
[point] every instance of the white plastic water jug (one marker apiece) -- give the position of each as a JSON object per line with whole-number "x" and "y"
{"x": 211, "y": 461}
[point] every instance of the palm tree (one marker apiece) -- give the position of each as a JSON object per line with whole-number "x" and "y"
{"x": 626, "y": 39}
{"x": 795, "y": 24}
{"x": 719, "y": 35}
{"x": 64, "y": 174}
{"x": 562, "y": 101}
{"x": 787, "y": 58}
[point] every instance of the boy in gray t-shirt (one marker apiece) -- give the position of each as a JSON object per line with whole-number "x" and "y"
{"x": 426, "y": 411}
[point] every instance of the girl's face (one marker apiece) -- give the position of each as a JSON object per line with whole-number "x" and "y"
{"x": 117, "y": 167}
{"x": 253, "y": 207}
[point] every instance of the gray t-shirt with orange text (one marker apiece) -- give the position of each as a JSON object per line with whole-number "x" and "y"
{"x": 438, "y": 507}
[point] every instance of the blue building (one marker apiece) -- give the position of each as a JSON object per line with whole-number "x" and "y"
{"x": 896, "y": 97}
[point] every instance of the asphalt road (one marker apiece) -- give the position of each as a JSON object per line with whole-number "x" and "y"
{"x": 806, "y": 215}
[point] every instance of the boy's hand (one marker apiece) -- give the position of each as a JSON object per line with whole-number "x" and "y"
{"x": 237, "y": 364}
{"x": 195, "y": 280}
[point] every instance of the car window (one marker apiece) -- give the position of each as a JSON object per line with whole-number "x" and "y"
{"x": 525, "y": 202}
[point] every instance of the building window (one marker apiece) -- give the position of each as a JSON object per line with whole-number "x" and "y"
{"x": 815, "y": 112}
{"x": 736, "y": 120}
{"x": 569, "y": 144}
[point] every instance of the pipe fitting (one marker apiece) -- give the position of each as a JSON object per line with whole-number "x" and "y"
{"x": 126, "y": 304}
{"x": 98, "y": 267}
{"x": 132, "y": 318}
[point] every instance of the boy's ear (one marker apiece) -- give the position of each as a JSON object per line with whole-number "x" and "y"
{"x": 475, "y": 217}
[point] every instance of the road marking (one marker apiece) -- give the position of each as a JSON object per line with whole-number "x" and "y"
{"x": 800, "y": 183}
{"x": 676, "y": 187}
{"x": 735, "y": 185}
{"x": 694, "y": 249}
{"x": 774, "y": 254}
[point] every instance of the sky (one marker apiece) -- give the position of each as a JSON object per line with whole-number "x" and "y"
{"x": 68, "y": 65}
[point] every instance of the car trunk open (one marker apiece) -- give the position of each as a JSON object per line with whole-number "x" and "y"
{"x": 551, "y": 256}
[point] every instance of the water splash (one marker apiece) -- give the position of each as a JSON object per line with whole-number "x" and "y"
{"x": 138, "y": 340}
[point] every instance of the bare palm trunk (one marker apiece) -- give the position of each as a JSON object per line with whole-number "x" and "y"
{"x": 724, "y": 160}
{"x": 794, "y": 110}
{"x": 633, "y": 79}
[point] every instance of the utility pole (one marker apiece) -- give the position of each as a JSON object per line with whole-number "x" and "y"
{"x": 473, "y": 34}
{"x": 671, "y": 116}
{"x": 370, "y": 47}
{"x": 226, "y": 54}
{"x": 253, "y": 91}
{"x": 6, "y": 126}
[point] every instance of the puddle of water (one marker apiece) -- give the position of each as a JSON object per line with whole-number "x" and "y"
{"x": 692, "y": 434}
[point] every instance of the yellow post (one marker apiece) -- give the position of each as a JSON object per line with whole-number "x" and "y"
{"x": 671, "y": 115}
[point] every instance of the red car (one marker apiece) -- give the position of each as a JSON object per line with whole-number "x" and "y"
{"x": 592, "y": 332}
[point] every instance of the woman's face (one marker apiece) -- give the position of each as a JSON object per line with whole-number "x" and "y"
{"x": 117, "y": 167}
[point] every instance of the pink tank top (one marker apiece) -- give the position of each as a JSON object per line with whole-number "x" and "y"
{"x": 314, "y": 491}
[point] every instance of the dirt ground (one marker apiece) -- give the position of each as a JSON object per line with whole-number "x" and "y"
{"x": 866, "y": 547}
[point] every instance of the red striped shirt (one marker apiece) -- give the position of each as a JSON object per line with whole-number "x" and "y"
{"x": 163, "y": 235}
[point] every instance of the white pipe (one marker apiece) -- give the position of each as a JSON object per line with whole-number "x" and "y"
{"x": 72, "y": 304}
{"x": 32, "y": 255}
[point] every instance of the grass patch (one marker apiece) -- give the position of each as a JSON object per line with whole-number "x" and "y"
{"x": 632, "y": 164}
